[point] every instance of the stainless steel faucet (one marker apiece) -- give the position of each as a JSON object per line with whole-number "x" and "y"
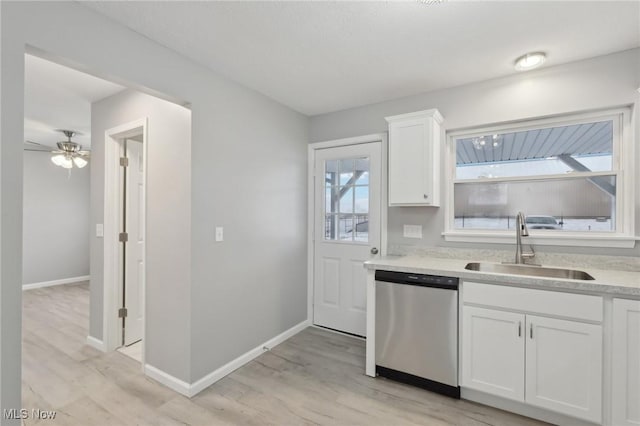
{"x": 521, "y": 231}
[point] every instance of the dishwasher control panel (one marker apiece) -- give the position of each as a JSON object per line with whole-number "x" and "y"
{"x": 417, "y": 279}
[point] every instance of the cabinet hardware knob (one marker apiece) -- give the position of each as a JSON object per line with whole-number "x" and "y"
{"x": 426, "y": 196}
{"x": 374, "y": 250}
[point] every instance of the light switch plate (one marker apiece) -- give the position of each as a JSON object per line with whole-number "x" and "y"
{"x": 219, "y": 233}
{"x": 412, "y": 231}
{"x": 99, "y": 230}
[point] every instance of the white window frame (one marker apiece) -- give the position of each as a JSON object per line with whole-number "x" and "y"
{"x": 623, "y": 168}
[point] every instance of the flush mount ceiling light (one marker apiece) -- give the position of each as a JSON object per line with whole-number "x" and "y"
{"x": 70, "y": 154}
{"x": 530, "y": 61}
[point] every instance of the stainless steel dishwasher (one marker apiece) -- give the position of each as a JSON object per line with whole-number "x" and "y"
{"x": 417, "y": 330}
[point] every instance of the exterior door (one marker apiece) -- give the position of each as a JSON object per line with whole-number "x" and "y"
{"x": 493, "y": 348}
{"x": 134, "y": 248}
{"x": 347, "y": 233}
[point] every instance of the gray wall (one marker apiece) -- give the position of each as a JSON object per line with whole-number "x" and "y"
{"x": 168, "y": 191}
{"x": 606, "y": 81}
{"x": 55, "y": 220}
{"x": 233, "y": 129}
{"x": 250, "y": 173}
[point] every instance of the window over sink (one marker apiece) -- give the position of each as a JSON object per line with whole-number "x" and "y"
{"x": 571, "y": 175}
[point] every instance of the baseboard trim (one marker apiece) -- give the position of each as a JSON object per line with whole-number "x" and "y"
{"x": 96, "y": 344}
{"x": 55, "y": 282}
{"x": 168, "y": 380}
{"x": 231, "y": 366}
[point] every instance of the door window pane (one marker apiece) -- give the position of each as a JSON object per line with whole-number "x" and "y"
{"x": 328, "y": 206}
{"x": 362, "y": 228}
{"x": 362, "y": 171}
{"x": 362, "y": 199}
{"x": 346, "y": 227}
{"x": 331, "y": 172}
{"x": 346, "y": 199}
{"x": 346, "y": 172}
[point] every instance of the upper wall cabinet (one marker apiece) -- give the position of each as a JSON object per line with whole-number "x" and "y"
{"x": 414, "y": 159}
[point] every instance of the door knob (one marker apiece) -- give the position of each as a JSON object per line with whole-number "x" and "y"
{"x": 374, "y": 250}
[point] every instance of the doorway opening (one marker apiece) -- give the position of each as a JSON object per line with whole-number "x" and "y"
{"x": 125, "y": 248}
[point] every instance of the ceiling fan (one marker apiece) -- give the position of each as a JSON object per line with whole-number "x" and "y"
{"x": 68, "y": 154}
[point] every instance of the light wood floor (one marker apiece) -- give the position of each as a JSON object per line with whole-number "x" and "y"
{"x": 316, "y": 377}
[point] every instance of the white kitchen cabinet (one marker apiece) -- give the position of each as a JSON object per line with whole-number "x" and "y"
{"x": 564, "y": 366}
{"x": 414, "y": 158}
{"x": 626, "y": 362}
{"x": 515, "y": 347}
{"x": 493, "y": 352}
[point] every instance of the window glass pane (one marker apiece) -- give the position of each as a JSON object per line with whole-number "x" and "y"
{"x": 555, "y": 150}
{"x": 331, "y": 172}
{"x": 362, "y": 171}
{"x": 362, "y": 228}
{"x": 328, "y": 206}
{"x": 572, "y": 204}
{"x": 362, "y": 199}
{"x": 346, "y": 171}
{"x": 345, "y": 227}
{"x": 346, "y": 199}
{"x": 330, "y": 226}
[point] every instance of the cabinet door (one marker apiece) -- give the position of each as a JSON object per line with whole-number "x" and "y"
{"x": 408, "y": 163}
{"x": 626, "y": 362}
{"x": 493, "y": 352}
{"x": 564, "y": 367}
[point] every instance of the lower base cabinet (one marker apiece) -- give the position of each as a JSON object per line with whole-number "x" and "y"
{"x": 547, "y": 362}
{"x": 493, "y": 352}
{"x": 564, "y": 367}
{"x": 626, "y": 363}
{"x": 535, "y": 354}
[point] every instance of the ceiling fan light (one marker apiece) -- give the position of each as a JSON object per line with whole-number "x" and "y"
{"x": 58, "y": 160}
{"x": 80, "y": 162}
{"x": 67, "y": 163}
{"x": 530, "y": 61}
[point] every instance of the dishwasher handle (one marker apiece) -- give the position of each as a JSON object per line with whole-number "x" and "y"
{"x": 422, "y": 280}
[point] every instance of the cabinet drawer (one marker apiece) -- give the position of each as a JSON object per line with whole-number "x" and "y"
{"x": 555, "y": 303}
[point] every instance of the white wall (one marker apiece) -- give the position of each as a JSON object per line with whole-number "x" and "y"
{"x": 55, "y": 220}
{"x": 168, "y": 191}
{"x": 607, "y": 81}
{"x": 234, "y": 130}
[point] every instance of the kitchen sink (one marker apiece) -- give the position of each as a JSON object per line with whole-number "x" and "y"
{"x": 535, "y": 271}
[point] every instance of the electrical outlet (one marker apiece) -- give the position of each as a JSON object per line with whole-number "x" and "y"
{"x": 219, "y": 234}
{"x": 99, "y": 230}
{"x": 412, "y": 231}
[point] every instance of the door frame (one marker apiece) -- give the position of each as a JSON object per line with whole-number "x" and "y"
{"x": 112, "y": 258}
{"x": 311, "y": 211}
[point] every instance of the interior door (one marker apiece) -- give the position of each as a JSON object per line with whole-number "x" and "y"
{"x": 347, "y": 232}
{"x": 134, "y": 254}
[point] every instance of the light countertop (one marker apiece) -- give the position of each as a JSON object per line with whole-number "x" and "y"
{"x": 612, "y": 282}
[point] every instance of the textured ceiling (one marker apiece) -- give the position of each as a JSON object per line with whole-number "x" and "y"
{"x": 57, "y": 97}
{"x": 318, "y": 57}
